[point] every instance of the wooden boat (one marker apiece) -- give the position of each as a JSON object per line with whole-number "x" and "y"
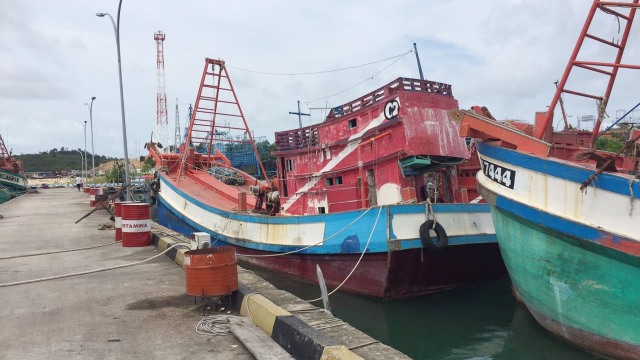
{"x": 380, "y": 196}
{"x": 567, "y": 217}
{"x": 12, "y": 183}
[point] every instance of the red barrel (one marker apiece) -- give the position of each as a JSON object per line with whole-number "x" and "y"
{"x": 136, "y": 225}
{"x": 92, "y": 196}
{"x": 117, "y": 215}
{"x": 211, "y": 272}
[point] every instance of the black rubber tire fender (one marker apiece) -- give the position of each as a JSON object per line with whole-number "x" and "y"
{"x": 441, "y": 241}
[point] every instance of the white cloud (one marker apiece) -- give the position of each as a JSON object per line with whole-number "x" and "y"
{"x": 57, "y": 55}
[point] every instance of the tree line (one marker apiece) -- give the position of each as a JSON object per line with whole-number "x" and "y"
{"x": 63, "y": 159}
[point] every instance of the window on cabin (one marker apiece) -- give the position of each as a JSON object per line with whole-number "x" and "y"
{"x": 321, "y": 210}
{"x": 329, "y": 181}
{"x": 352, "y": 123}
{"x": 289, "y": 164}
{"x": 338, "y": 180}
{"x": 327, "y": 154}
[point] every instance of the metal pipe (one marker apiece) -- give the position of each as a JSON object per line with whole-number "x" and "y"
{"x": 81, "y": 162}
{"x": 93, "y": 161}
{"x": 84, "y": 175}
{"x": 415, "y": 48}
{"x": 116, "y": 29}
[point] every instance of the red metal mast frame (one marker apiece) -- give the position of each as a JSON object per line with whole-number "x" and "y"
{"x": 208, "y": 115}
{"x": 610, "y": 69}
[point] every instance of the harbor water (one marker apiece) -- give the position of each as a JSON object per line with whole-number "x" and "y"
{"x": 480, "y": 321}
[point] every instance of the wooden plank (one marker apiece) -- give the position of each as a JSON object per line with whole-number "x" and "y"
{"x": 259, "y": 344}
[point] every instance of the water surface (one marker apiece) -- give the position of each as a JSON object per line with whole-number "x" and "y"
{"x": 481, "y": 321}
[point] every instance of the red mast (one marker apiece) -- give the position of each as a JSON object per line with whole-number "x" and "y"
{"x": 609, "y": 69}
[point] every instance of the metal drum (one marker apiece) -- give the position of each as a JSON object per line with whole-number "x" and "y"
{"x": 117, "y": 216}
{"x": 136, "y": 225}
{"x": 211, "y": 271}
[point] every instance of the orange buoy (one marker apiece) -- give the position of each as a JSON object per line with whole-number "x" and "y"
{"x": 136, "y": 225}
{"x": 117, "y": 216}
{"x": 211, "y": 271}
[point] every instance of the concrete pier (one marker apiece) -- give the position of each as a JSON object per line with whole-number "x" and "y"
{"x": 139, "y": 312}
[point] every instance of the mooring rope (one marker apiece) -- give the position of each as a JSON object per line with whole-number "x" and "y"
{"x": 359, "y": 259}
{"x": 214, "y": 325}
{"x": 312, "y": 245}
{"x": 57, "y": 251}
{"x": 88, "y": 271}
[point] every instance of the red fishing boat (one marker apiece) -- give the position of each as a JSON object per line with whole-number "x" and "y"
{"x": 381, "y": 195}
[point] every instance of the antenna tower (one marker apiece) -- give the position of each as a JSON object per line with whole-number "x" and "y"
{"x": 177, "y": 137}
{"x": 162, "y": 121}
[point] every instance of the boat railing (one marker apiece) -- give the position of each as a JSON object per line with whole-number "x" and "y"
{"x": 297, "y": 139}
{"x": 404, "y": 84}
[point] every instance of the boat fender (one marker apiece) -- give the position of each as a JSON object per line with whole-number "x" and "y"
{"x": 428, "y": 242}
{"x": 155, "y": 186}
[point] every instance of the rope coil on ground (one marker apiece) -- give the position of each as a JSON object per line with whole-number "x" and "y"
{"x": 214, "y": 325}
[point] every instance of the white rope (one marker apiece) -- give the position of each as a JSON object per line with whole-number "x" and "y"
{"x": 360, "y": 259}
{"x": 57, "y": 251}
{"x": 214, "y": 325}
{"x": 88, "y": 271}
{"x": 318, "y": 243}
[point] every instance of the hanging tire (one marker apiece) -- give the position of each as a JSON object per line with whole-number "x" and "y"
{"x": 428, "y": 242}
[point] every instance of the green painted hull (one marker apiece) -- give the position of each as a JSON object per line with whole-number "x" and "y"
{"x": 5, "y": 195}
{"x": 11, "y": 185}
{"x": 579, "y": 292}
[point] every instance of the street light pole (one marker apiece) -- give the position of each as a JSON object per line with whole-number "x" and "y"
{"x": 85, "y": 152}
{"x": 116, "y": 30}
{"x": 81, "y": 162}
{"x": 93, "y": 161}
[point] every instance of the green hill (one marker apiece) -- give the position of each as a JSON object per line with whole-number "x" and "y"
{"x": 58, "y": 160}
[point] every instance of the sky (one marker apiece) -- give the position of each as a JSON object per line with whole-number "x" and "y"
{"x": 56, "y": 55}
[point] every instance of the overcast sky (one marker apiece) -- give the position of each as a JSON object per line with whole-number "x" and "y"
{"x": 56, "y": 55}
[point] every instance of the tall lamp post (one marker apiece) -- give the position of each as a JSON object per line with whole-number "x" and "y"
{"x": 93, "y": 161}
{"x": 116, "y": 30}
{"x": 85, "y": 152}
{"x": 81, "y": 162}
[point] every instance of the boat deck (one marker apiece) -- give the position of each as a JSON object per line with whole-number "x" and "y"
{"x": 211, "y": 191}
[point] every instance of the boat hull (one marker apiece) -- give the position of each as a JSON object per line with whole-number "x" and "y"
{"x": 394, "y": 264}
{"x": 11, "y": 185}
{"x": 578, "y": 276}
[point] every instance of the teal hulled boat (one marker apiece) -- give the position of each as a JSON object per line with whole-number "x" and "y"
{"x": 567, "y": 217}
{"x": 12, "y": 183}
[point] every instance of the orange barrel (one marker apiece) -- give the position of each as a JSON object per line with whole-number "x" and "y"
{"x": 85, "y": 189}
{"x": 136, "y": 225}
{"x": 211, "y": 271}
{"x": 117, "y": 215}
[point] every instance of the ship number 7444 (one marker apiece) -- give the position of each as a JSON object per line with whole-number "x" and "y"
{"x": 500, "y": 174}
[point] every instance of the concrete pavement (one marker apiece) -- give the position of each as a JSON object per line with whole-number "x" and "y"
{"x": 139, "y": 312}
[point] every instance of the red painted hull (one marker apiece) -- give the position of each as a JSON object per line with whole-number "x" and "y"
{"x": 397, "y": 274}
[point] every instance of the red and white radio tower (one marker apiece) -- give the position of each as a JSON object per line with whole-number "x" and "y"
{"x": 162, "y": 121}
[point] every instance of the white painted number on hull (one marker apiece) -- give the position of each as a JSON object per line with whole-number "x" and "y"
{"x": 500, "y": 174}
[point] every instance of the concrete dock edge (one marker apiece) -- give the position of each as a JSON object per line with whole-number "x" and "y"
{"x": 293, "y": 334}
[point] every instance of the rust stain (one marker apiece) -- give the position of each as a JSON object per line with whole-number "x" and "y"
{"x": 626, "y": 246}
